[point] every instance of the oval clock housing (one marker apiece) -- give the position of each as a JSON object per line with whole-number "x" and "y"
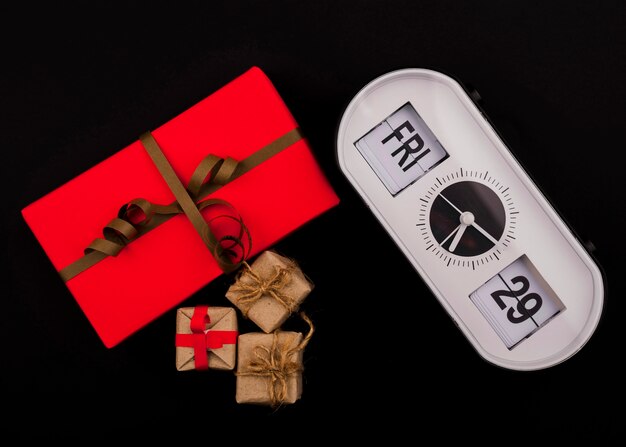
{"x": 466, "y": 215}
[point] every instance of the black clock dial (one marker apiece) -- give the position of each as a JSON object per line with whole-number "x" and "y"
{"x": 459, "y": 213}
{"x": 469, "y": 215}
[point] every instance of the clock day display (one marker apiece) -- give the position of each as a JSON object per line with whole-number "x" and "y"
{"x": 468, "y": 218}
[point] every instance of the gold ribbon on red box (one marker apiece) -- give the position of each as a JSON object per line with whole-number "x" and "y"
{"x": 139, "y": 216}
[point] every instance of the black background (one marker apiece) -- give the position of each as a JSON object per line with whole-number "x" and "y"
{"x": 76, "y": 90}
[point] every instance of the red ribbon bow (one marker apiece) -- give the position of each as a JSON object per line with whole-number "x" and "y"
{"x": 202, "y": 341}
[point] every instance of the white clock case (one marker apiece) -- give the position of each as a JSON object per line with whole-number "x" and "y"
{"x": 542, "y": 235}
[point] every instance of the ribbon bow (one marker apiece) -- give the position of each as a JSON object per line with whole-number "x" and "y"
{"x": 277, "y": 364}
{"x": 202, "y": 341}
{"x": 254, "y": 287}
{"x": 213, "y": 171}
{"x": 139, "y": 216}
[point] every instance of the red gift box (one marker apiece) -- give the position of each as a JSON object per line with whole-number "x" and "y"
{"x": 156, "y": 271}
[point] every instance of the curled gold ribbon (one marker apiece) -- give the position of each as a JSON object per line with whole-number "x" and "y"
{"x": 140, "y": 216}
{"x": 252, "y": 287}
{"x": 209, "y": 168}
{"x": 276, "y": 363}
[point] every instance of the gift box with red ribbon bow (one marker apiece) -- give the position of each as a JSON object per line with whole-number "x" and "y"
{"x": 206, "y": 337}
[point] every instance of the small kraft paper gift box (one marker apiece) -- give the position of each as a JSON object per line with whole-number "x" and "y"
{"x": 269, "y": 367}
{"x": 269, "y": 290}
{"x": 138, "y": 233}
{"x": 206, "y": 337}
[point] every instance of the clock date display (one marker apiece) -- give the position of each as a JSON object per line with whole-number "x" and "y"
{"x": 517, "y": 302}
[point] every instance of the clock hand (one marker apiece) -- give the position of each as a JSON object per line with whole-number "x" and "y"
{"x": 451, "y": 204}
{"x": 484, "y": 233}
{"x": 450, "y": 235}
{"x": 457, "y": 238}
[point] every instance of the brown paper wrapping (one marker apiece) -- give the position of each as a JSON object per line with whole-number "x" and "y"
{"x": 269, "y": 313}
{"x": 222, "y": 319}
{"x": 256, "y": 389}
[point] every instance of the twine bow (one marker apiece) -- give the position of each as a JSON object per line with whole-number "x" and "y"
{"x": 254, "y": 287}
{"x": 277, "y": 363}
